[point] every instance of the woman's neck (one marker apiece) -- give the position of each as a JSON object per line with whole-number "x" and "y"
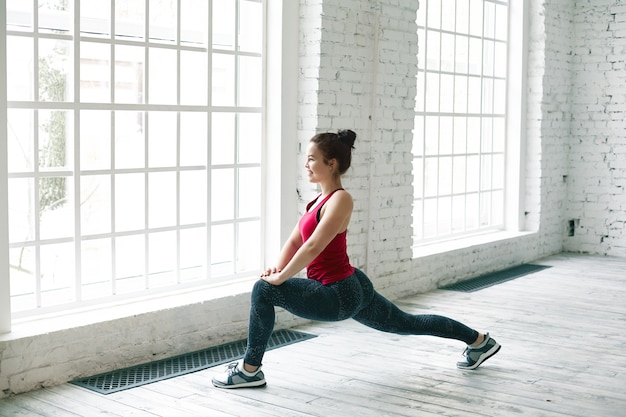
{"x": 329, "y": 187}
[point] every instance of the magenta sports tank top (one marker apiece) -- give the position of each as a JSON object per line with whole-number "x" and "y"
{"x": 332, "y": 264}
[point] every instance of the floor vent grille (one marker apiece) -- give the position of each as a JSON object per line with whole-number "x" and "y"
{"x": 487, "y": 280}
{"x": 180, "y": 365}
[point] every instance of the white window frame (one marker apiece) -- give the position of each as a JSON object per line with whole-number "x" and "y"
{"x": 274, "y": 224}
{"x": 512, "y": 213}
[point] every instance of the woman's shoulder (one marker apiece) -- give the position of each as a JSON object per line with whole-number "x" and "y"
{"x": 342, "y": 197}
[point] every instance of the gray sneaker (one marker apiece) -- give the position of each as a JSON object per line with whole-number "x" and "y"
{"x": 474, "y": 356}
{"x": 236, "y": 377}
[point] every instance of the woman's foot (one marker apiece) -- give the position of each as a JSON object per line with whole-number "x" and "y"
{"x": 475, "y": 355}
{"x": 235, "y": 376}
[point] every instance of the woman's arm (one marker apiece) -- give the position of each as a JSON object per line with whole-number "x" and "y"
{"x": 335, "y": 219}
{"x": 290, "y": 247}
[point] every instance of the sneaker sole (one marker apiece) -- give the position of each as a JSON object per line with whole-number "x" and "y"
{"x": 495, "y": 349}
{"x": 253, "y": 384}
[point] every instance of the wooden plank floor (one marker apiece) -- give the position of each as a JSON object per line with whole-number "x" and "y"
{"x": 563, "y": 332}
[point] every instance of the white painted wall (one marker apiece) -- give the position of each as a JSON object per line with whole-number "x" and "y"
{"x": 356, "y": 70}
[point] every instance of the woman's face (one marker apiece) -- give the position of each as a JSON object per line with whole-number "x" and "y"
{"x": 317, "y": 169}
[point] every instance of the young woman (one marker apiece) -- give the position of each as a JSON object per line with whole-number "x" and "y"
{"x": 333, "y": 290}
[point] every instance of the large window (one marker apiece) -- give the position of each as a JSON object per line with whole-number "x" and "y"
{"x": 460, "y": 132}
{"x": 134, "y": 146}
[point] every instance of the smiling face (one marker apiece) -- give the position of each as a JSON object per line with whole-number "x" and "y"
{"x": 317, "y": 169}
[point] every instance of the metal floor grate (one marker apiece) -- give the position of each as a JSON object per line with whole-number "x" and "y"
{"x": 180, "y": 365}
{"x": 494, "y": 278}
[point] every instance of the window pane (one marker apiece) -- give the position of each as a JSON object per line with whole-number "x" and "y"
{"x": 96, "y": 269}
{"x": 475, "y": 56}
{"x": 474, "y": 94}
{"x": 193, "y": 139}
{"x": 445, "y": 176}
{"x": 444, "y": 216}
{"x": 473, "y": 135}
{"x": 486, "y": 135}
{"x": 57, "y": 274}
{"x": 95, "y": 204}
{"x": 129, "y": 202}
{"x": 162, "y": 139}
{"x": 223, "y": 138}
{"x": 223, "y": 84}
{"x": 161, "y": 199}
{"x": 130, "y": 19}
{"x": 476, "y": 17}
{"x": 22, "y": 211}
{"x": 95, "y": 72}
{"x": 460, "y": 174}
{"x": 95, "y": 17}
{"x": 194, "y": 21}
{"x": 56, "y": 211}
{"x": 434, "y": 14}
{"x": 19, "y": 15}
{"x": 501, "y": 22}
{"x": 163, "y": 76}
{"x": 432, "y": 135}
{"x": 129, "y": 140}
{"x": 430, "y": 218}
{"x": 446, "y": 93}
{"x": 224, "y": 24}
{"x": 433, "y": 51}
{"x": 432, "y": 92}
{"x": 458, "y": 214}
{"x": 193, "y": 254}
{"x": 55, "y": 70}
{"x": 250, "y": 86}
{"x": 249, "y": 197}
{"x": 249, "y": 241}
{"x": 193, "y": 197}
{"x": 129, "y": 74}
{"x": 193, "y": 78}
{"x": 20, "y": 68}
{"x": 222, "y": 194}
{"x": 447, "y": 52}
{"x": 20, "y": 146}
{"x": 162, "y": 259}
{"x": 489, "y": 16}
{"x": 250, "y": 26}
{"x": 222, "y": 249}
{"x": 55, "y": 16}
{"x": 431, "y": 169}
{"x": 448, "y": 15}
{"x": 249, "y": 131}
{"x": 460, "y": 135}
{"x": 95, "y": 139}
{"x": 461, "y": 59}
{"x": 130, "y": 264}
{"x": 460, "y": 94}
{"x": 163, "y": 21}
{"x": 445, "y": 135}
{"x": 55, "y": 139}
{"x": 23, "y": 265}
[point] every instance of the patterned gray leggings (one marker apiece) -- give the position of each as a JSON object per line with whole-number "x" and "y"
{"x": 353, "y": 297}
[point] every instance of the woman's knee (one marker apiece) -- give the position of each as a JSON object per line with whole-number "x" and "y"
{"x": 259, "y": 289}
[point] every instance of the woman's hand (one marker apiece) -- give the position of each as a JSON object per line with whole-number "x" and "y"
{"x": 273, "y": 276}
{"x": 269, "y": 271}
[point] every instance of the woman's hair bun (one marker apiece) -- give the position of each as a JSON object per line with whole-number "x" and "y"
{"x": 347, "y": 136}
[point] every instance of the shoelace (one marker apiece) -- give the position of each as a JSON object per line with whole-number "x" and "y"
{"x": 231, "y": 368}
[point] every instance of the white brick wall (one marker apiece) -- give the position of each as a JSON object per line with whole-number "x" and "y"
{"x": 357, "y": 70}
{"x": 597, "y": 155}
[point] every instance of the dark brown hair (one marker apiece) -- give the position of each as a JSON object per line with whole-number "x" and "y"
{"x": 336, "y": 146}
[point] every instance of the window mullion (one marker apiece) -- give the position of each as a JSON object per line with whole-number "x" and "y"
{"x": 76, "y": 160}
